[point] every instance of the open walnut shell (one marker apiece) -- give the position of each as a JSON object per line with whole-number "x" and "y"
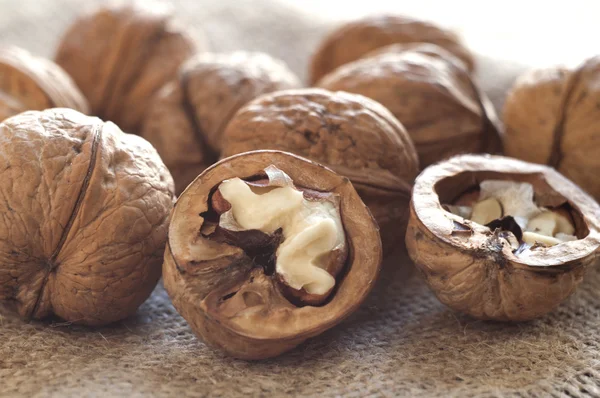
{"x": 431, "y": 94}
{"x": 355, "y": 39}
{"x": 186, "y": 119}
{"x": 475, "y": 269}
{"x": 222, "y": 289}
{"x": 351, "y": 134}
{"x": 121, "y": 54}
{"x": 552, "y": 117}
{"x": 85, "y": 211}
{"x": 34, "y": 83}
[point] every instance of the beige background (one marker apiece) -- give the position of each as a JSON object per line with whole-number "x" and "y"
{"x": 402, "y": 342}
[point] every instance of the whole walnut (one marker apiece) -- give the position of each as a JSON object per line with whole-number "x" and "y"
{"x": 186, "y": 119}
{"x": 121, "y": 54}
{"x": 434, "y": 97}
{"x": 355, "y": 39}
{"x": 267, "y": 249}
{"x": 519, "y": 261}
{"x": 552, "y": 117}
{"x": 351, "y": 134}
{"x": 85, "y": 209}
{"x": 33, "y": 83}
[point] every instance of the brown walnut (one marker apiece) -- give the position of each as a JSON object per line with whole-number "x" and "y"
{"x": 355, "y": 39}
{"x": 85, "y": 212}
{"x": 490, "y": 271}
{"x": 33, "y": 83}
{"x": 121, "y": 54}
{"x": 431, "y": 94}
{"x": 552, "y": 117}
{"x": 225, "y": 286}
{"x": 186, "y": 119}
{"x": 351, "y": 134}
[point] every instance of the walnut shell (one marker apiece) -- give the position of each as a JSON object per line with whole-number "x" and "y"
{"x": 186, "y": 119}
{"x": 351, "y": 134}
{"x": 85, "y": 211}
{"x": 552, "y": 117}
{"x": 355, "y": 39}
{"x": 34, "y": 83}
{"x": 236, "y": 307}
{"x": 121, "y": 54}
{"x": 471, "y": 268}
{"x": 442, "y": 109}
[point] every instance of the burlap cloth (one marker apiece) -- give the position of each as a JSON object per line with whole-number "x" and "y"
{"x": 401, "y": 343}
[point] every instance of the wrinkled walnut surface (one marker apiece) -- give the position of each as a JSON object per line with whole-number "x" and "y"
{"x": 121, "y": 54}
{"x": 85, "y": 210}
{"x": 355, "y": 39}
{"x": 232, "y": 304}
{"x": 33, "y": 83}
{"x": 351, "y": 134}
{"x": 471, "y": 268}
{"x": 433, "y": 96}
{"x": 186, "y": 119}
{"x": 552, "y": 117}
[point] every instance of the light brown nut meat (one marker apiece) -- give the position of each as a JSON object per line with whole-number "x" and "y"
{"x": 121, "y": 54}
{"x": 185, "y": 121}
{"x": 477, "y": 270}
{"x": 355, "y": 39}
{"x": 552, "y": 117}
{"x": 434, "y": 97}
{"x": 226, "y": 288}
{"x": 33, "y": 83}
{"x": 351, "y": 134}
{"x": 85, "y": 211}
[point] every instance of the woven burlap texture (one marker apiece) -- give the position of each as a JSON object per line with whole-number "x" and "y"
{"x": 402, "y": 342}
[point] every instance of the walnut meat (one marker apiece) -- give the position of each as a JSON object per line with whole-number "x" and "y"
{"x": 355, "y": 39}
{"x": 434, "y": 97}
{"x": 351, "y": 134}
{"x": 524, "y": 247}
{"x": 121, "y": 54}
{"x": 186, "y": 119}
{"x": 267, "y": 249}
{"x": 552, "y": 117}
{"x": 85, "y": 211}
{"x": 33, "y": 83}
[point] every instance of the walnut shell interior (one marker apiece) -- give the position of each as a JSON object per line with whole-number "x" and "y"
{"x": 353, "y": 40}
{"x": 120, "y": 54}
{"x": 230, "y": 300}
{"x": 33, "y": 83}
{"x": 85, "y": 212}
{"x": 186, "y": 119}
{"x": 473, "y": 268}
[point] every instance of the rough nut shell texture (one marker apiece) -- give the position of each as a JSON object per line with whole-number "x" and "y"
{"x": 233, "y": 305}
{"x": 351, "y": 134}
{"x": 436, "y": 100}
{"x": 474, "y": 271}
{"x": 120, "y": 55}
{"x": 355, "y": 39}
{"x": 186, "y": 119}
{"x": 84, "y": 217}
{"x": 552, "y": 117}
{"x": 33, "y": 83}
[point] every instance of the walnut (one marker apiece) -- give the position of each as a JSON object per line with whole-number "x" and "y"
{"x": 34, "y": 83}
{"x": 434, "y": 97}
{"x": 530, "y": 254}
{"x": 355, "y": 39}
{"x": 121, "y": 54}
{"x": 351, "y": 134}
{"x": 551, "y": 117}
{"x": 187, "y": 118}
{"x": 85, "y": 212}
{"x": 267, "y": 249}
